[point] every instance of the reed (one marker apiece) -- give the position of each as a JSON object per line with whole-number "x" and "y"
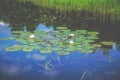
{"x": 102, "y": 7}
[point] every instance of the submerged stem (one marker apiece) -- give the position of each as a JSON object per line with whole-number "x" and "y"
{"x": 83, "y": 75}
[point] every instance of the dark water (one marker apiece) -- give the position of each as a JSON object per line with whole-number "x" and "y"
{"x": 37, "y": 66}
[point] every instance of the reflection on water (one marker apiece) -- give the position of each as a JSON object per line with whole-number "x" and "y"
{"x": 17, "y": 65}
{"x": 5, "y": 30}
{"x": 19, "y": 14}
{"x": 75, "y": 66}
{"x": 45, "y": 28}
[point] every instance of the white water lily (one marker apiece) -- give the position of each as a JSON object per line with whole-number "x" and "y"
{"x": 72, "y": 35}
{"x": 32, "y": 36}
{"x": 71, "y": 42}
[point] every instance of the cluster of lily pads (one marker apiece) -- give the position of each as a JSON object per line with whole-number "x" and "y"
{"x": 58, "y": 40}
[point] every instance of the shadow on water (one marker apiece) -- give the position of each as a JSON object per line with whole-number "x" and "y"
{"x": 19, "y": 14}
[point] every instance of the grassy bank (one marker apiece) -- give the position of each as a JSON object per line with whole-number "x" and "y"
{"x": 98, "y": 7}
{"x": 109, "y": 5}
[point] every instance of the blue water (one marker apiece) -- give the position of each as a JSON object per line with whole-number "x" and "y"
{"x": 75, "y": 66}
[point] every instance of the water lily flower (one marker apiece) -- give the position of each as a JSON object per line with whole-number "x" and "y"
{"x": 32, "y": 36}
{"x": 71, "y": 42}
{"x": 71, "y": 34}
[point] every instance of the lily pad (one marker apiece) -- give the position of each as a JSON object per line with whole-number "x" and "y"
{"x": 107, "y": 43}
{"x": 61, "y": 28}
{"x": 57, "y": 40}
{"x": 96, "y": 45}
{"x": 57, "y": 48}
{"x": 44, "y": 51}
{"x": 13, "y": 48}
{"x": 70, "y": 48}
{"x": 82, "y": 31}
{"x": 17, "y": 32}
{"x": 4, "y": 38}
{"x": 88, "y": 51}
{"x": 63, "y": 53}
{"x": 28, "y": 49}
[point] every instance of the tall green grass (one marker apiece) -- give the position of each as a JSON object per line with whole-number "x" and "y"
{"x": 78, "y": 4}
{"x": 101, "y": 7}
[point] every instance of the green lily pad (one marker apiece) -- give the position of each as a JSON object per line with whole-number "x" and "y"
{"x": 44, "y": 51}
{"x": 57, "y": 48}
{"x": 17, "y": 32}
{"x": 59, "y": 43}
{"x": 107, "y": 43}
{"x": 54, "y": 41}
{"x": 87, "y": 51}
{"x": 61, "y": 28}
{"x": 92, "y": 37}
{"x": 63, "y": 53}
{"x": 28, "y": 49}
{"x": 40, "y": 32}
{"x": 69, "y": 48}
{"x": 90, "y": 41}
{"x": 96, "y": 45}
{"x": 82, "y": 31}
{"x": 93, "y": 33}
{"x": 4, "y": 38}
{"x": 13, "y": 48}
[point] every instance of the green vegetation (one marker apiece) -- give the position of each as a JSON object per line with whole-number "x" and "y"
{"x": 85, "y": 14}
{"x": 107, "y": 43}
{"x": 102, "y": 7}
{"x": 19, "y": 15}
{"x": 61, "y": 40}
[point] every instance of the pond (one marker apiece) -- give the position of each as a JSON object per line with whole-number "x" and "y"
{"x": 35, "y": 65}
{"x": 44, "y": 44}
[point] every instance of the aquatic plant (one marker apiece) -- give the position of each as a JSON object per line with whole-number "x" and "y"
{"x": 27, "y": 48}
{"x": 107, "y": 43}
{"x": 32, "y": 36}
{"x": 102, "y": 8}
{"x": 83, "y": 75}
{"x": 63, "y": 52}
{"x": 14, "y": 48}
{"x": 55, "y": 40}
{"x": 61, "y": 28}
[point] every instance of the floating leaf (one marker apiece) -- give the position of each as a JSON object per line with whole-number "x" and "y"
{"x": 44, "y": 51}
{"x": 61, "y": 28}
{"x": 28, "y": 49}
{"x": 63, "y": 53}
{"x": 13, "y": 48}
{"x": 46, "y": 43}
{"x": 107, "y": 43}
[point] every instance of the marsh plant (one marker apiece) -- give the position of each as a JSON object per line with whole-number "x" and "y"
{"x": 61, "y": 40}
{"x": 102, "y": 8}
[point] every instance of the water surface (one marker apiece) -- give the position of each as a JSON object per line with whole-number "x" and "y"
{"x": 34, "y": 65}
